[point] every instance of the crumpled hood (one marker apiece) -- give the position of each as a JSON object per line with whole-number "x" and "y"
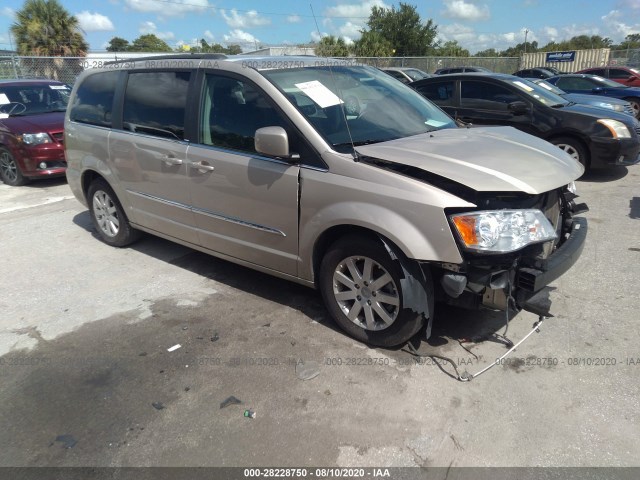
{"x": 42, "y": 122}
{"x": 486, "y": 159}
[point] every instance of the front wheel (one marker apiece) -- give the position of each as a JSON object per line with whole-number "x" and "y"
{"x": 361, "y": 287}
{"x": 635, "y": 105}
{"x": 108, "y": 216}
{"x": 9, "y": 170}
{"x": 574, "y": 148}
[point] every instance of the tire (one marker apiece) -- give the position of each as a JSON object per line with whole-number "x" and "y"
{"x": 635, "y": 104}
{"x": 10, "y": 170}
{"x": 574, "y": 148}
{"x": 108, "y": 216}
{"x": 357, "y": 307}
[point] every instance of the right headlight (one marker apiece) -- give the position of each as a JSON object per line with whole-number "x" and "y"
{"x": 617, "y": 129}
{"x": 502, "y": 231}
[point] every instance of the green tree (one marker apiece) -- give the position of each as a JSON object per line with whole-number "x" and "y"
{"x": 45, "y": 28}
{"x": 372, "y": 44}
{"x": 452, "y": 49}
{"x": 404, "y": 30}
{"x": 117, "y": 44}
{"x": 519, "y": 49}
{"x": 490, "y": 52}
{"x": 585, "y": 42}
{"x": 331, "y": 46}
{"x": 149, "y": 43}
{"x": 215, "y": 48}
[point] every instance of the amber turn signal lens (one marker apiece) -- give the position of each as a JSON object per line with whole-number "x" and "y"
{"x": 467, "y": 229}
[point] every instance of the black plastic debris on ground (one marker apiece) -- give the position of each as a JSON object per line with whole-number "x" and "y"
{"x": 158, "y": 405}
{"x": 230, "y": 401}
{"x": 67, "y": 440}
{"x": 215, "y": 337}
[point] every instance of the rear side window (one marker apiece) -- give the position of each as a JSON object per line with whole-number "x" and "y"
{"x": 619, "y": 73}
{"x": 597, "y": 71}
{"x": 485, "y": 96}
{"x": 440, "y": 93}
{"x": 155, "y": 103}
{"x": 93, "y": 102}
{"x": 574, "y": 83}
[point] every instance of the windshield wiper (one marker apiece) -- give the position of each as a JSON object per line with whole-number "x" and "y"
{"x": 357, "y": 144}
{"x": 559, "y": 105}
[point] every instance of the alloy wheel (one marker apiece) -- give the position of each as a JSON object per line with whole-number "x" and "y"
{"x": 8, "y": 167}
{"x": 106, "y": 213}
{"x": 366, "y": 293}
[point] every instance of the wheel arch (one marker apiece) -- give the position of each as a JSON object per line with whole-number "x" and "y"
{"x": 335, "y": 233}
{"x": 88, "y": 177}
{"x": 577, "y": 138}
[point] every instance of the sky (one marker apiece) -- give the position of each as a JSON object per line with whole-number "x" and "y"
{"x": 475, "y": 24}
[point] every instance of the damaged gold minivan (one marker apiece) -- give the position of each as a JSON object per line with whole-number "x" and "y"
{"x": 326, "y": 173}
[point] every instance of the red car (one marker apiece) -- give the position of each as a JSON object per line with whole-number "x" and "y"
{"x": 31, "y": 129}
{"x": 624, "y": 75}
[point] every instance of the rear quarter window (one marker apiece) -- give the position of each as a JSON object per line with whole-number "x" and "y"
{"x": 93, "y": 102}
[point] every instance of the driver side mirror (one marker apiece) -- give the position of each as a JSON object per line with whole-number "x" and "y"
{"x": 518, "y": 107}
{"x": 631, "y": 78}
{"x": 274, "y": 142}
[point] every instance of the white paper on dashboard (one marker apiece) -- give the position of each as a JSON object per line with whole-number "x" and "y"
{"x": 4, "y": 100}
{"x": 320, "y": 94}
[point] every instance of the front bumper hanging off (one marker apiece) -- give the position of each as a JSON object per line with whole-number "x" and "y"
{"x": 476, "y": 285}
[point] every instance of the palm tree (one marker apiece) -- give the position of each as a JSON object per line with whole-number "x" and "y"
{"x": 44, "y": 28}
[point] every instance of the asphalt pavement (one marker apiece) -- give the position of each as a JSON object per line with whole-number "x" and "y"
{"x": 88, "y": 379}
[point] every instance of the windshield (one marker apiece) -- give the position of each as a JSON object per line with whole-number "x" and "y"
{"x": 33, "y": 99}
{"x": 362, "y": 104}
{"x": 539, "y": 93}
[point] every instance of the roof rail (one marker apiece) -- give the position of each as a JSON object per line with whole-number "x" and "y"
{"x": 177, "y": 56}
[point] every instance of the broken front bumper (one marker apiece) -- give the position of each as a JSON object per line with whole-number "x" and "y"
{"x": 534, "y": 279}
{"x": 492, "y": 283}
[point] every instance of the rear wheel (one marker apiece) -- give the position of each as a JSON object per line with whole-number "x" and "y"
{"x": 361, "y": 288}
{"x": 108, "y": 216}
{"x": 9, "y": 169}
{"x": 574, "y": 148}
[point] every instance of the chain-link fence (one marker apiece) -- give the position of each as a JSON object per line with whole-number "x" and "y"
{"x": 66, "y": 69}
{"x": 63, "y": 69}
{"x": 431, "y": 64}
{"x": 627, "y": 58}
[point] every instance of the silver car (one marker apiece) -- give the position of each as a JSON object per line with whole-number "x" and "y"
{"x": 326, "y": 173}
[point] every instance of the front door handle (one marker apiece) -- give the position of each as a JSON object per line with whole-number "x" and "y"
{"x": 202, "y": 166}
{"x": 170, "y": 159}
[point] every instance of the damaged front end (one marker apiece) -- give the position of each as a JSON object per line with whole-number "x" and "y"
{"x": 514, "y": 244}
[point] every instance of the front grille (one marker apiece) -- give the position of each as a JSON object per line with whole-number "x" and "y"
{"x": 58, "y": 137}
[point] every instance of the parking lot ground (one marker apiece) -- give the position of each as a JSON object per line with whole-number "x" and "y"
{"x": 87, "y": 378}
